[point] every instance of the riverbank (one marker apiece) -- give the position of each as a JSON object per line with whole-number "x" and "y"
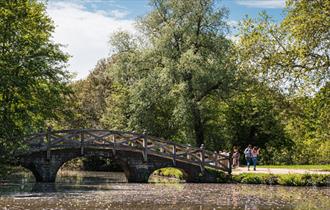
{"x": 283, "y": 170}
{"x": 257, "y": 177}
{"x": 325, "y": 167}
{"x": 283, "y": 179}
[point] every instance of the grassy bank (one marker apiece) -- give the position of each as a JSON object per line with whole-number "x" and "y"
{"x": 306, "y": 167}
{"x": 283, "y": 179}
{"x": 253, "y": 178}
{"x": 170, "y": 172}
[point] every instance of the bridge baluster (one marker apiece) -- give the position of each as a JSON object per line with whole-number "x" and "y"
{"x": 48, "y": 138}
{"x": 230, "y": 161}
{"x": 202, "y": 157}
{"x": 216, "y": 159}
{"x": 174, "y": 154}
{"x": 114, "y": 145}
{"x": 41, "y": 139}
{"x": 82, "y": 139}
{"x": 145, "y": 148}
{"x": 188, "y": 150}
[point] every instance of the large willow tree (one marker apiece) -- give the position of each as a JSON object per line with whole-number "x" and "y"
{"x": 32, "y": 79}
{"x": 293, "y": 57}
{"x": 163, "y": 77}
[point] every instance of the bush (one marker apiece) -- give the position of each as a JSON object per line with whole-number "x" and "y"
{"x": 170, "y": 172}
{"x": 221, "y": 177}
{"x": 248, "y": 178}
{"x": 283, "y": 179}
{"x": 290, "y": 180}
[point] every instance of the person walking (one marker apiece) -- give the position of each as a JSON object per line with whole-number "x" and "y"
{"x": 248, "y": 155}
{"x": 254, "y": 156}
{"x": 236, "y": 156}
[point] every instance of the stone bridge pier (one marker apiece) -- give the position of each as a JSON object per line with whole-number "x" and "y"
{"x": 136, "y": 167}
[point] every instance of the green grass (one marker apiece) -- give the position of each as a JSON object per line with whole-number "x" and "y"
{"x": 283, "y": 179}
{"x": 170, "y": 172}
{"x": 253, "y": 178}
{"x": 308, "y": 167}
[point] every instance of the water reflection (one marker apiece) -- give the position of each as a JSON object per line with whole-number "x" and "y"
{"x": 44, "y": 188}
{"x": 89, "y": 190}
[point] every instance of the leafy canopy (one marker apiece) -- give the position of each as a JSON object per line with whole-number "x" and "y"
{"x": 32, "y": 76}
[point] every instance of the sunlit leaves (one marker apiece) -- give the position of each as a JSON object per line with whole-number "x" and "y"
{"x": 32, "y": 76}
{"x": 292, "y": 55}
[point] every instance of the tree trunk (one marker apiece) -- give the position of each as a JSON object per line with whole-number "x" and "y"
{"x": 198, "y": 126}
{"x": 196, "y": 115}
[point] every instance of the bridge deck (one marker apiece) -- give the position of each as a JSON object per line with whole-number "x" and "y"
{"x": 128, "y": 141}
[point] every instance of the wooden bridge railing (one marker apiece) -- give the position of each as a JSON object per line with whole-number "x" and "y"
{"x": 129, "y": 141}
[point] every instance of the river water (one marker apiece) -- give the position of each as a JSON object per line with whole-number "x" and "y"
{"x": 100, "y": 190}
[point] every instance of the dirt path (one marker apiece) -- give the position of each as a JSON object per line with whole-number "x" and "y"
{"x": 278, "y": 171}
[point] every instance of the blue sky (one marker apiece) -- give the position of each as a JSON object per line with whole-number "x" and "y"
{"x": 84, "y": 26}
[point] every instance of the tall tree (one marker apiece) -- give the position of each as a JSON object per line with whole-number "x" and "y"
{"x": 88, "y": 102}
{"x": 293, "y": 54}
{"x": 186, "y": 59}
{"x": 32, "y": 76}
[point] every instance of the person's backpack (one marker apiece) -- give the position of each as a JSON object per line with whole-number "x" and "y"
{"x": 247, "y": 152}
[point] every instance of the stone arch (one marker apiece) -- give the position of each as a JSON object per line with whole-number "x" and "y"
{"x": 135, "y": 166}
{"x": 45, "y": 169}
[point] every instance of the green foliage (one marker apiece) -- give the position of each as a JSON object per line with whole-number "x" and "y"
{"x": 309, "y": 167}
{"x": 221, "y": 177}
{"x": 309, "y": 128}
{"x": 170, "y": 172}
{"x": 283, "y": 179}
{"x": 292, "y": 58}
{"x": 161, "y": 86}
{"x": 250, "y": 178}
{"x": 5, "y": 170}
{"x": 293, "y": 55}
{"x": 181, "y": 79}
{"x": 33, "y": 83}
{"x": 304, "y": 180}
{"x": 88, "y": 103}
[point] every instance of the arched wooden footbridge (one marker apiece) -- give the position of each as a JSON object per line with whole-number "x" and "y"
{"x": 138, "y": 154}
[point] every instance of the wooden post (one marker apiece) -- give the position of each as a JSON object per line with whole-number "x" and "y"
{"x": 202, "y": 157}
{"x": 82, "y": 139}
{"x": 230, "y": 162}
{"x": 174, "y": 154}
{"x": 216, "y": 159}
{"x": 145, "y": 148}
{"x": 114, "y": 145}
{"x": 48, "y": 139}
{"x": 188, "y": 150}
{"x": 41, "y": 139}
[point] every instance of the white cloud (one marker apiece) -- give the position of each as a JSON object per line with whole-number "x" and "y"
{"x": 118, "y": 14}
{"x": 85, "y": 33}
{"x": 262, "y": 3}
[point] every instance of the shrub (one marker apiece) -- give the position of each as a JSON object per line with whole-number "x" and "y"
{"x": 221, "y": 177}
{"x": 283, "y": 179}
{"x": 170, "y": 172}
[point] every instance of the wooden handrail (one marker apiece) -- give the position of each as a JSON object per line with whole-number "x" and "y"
{"x": 121, "y": 140}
